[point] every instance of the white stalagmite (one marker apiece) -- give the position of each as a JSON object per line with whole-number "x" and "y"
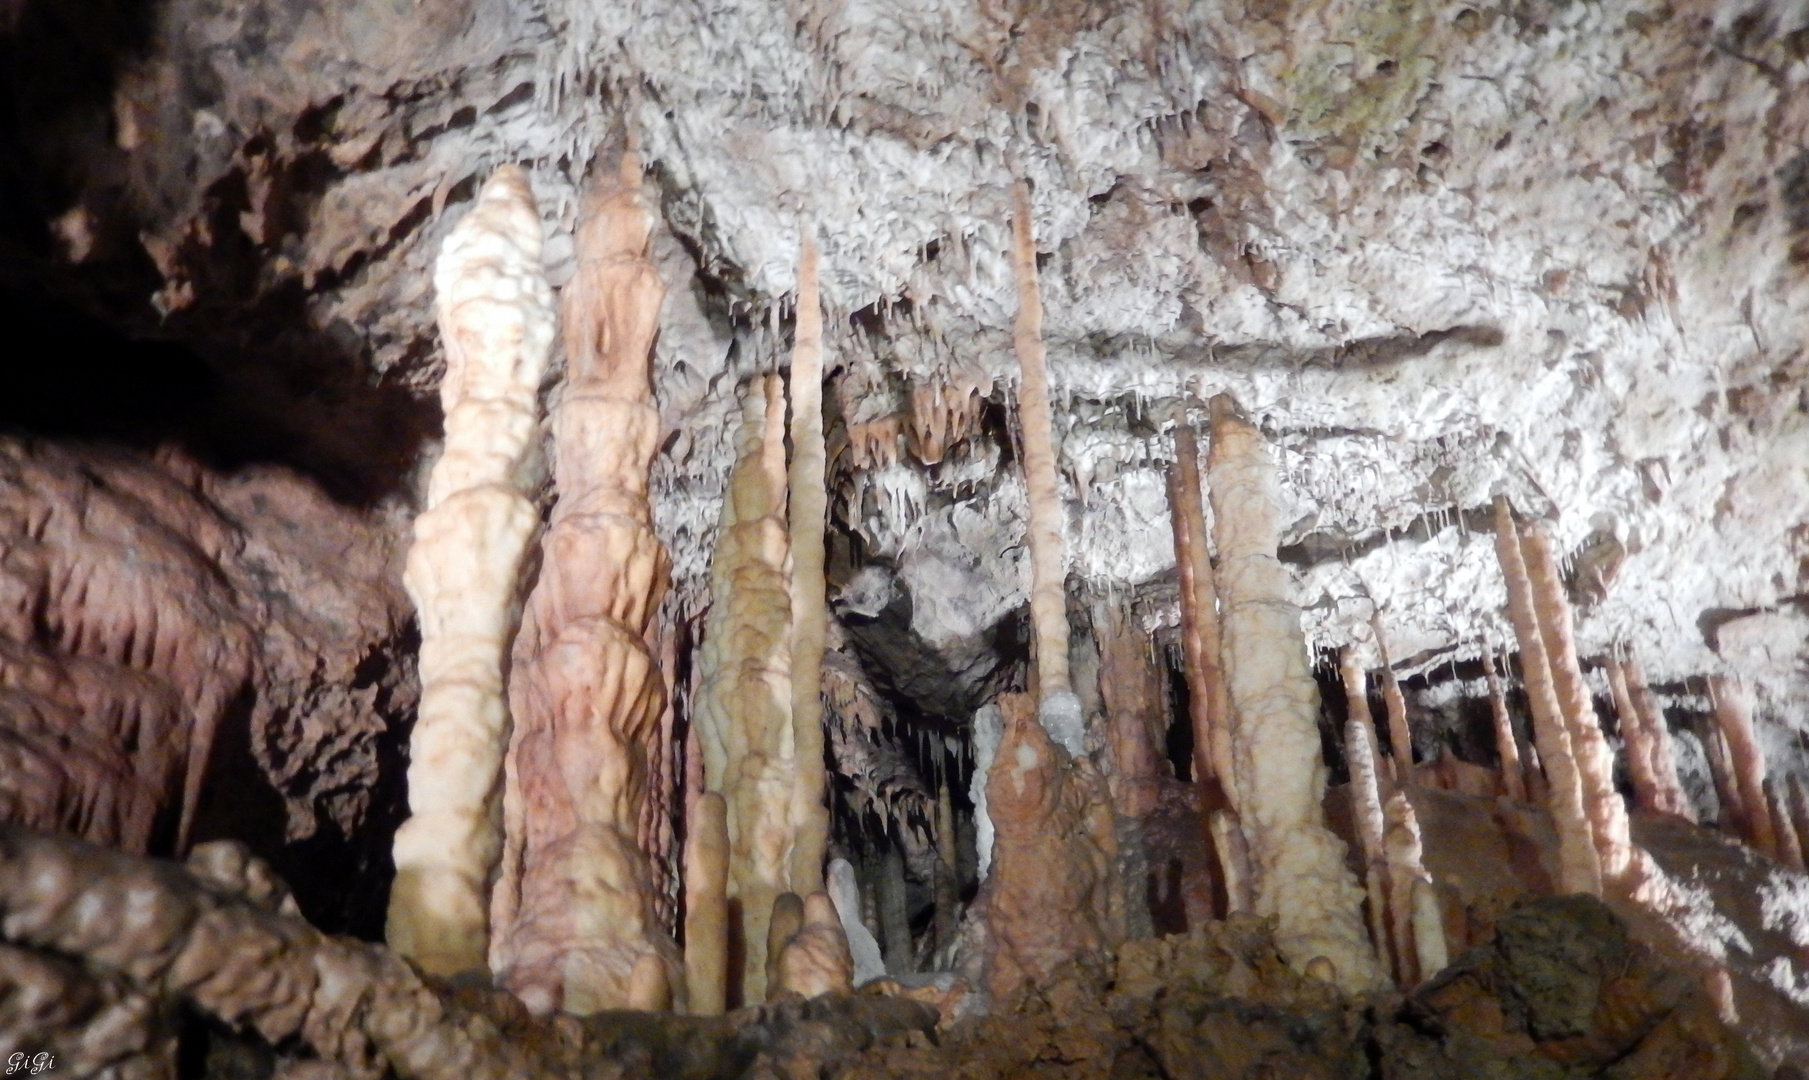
{"x": 1607, "y": 811}
{"x": 1429, "y": 943}
{"x": 1579, "y": 868}
{"x": 989, "y": 732}
{"x": 1366, "y": 804}
{"x": 496, "y": 316}
{"x": 809, "y": 592}
{"x": 744, "y": 702}
{"x": 863, "y": 947}
{"x": 1406, "y": 874}
{"x": 1672, "y": 798}
{"x": 1746, "y": 758}
{"x": 1058, "y": 709}
{"x": 1298, "y": 863}
{"x": 1513, "y": 776}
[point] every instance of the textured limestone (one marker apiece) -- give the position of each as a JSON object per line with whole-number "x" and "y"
{"x": 1669, "y": 785}
{"x": 1400, "y": 737}
{"x": 1300, "y": 877}
{"x": 707, "y": 905}
{"x": 1202, "y": 649}
{"x": 808, "y": 505}
{"x": 815, "y": 960}
{"x": 1745, "y": 758}
{"x": 573, "y": 912}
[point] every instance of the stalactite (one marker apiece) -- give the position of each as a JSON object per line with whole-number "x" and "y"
{"x": 1799, "y": 813}
{"x": 1406, "y": 872}
{"x": 1732, "y": 818}
{"x": 1672, "y": 798}
{"x": 1300, "y": 876}
{"x": 743, "y": 713}
{"x": 944, "y": 413}
{"x": 496, "y": 316}
{"x": 1745, "y": 759}
{"x": 1057, "y": 707}
{"x": 1208, "y": 702}
{"x": 1790, "y": 845}
{"x": 1579, "y": 868}
{"x": 1507, "y": 747}
{"x": 809, "y": 591}
{"x": 1400, "y": 736}
{"x": 575, "y": 909}
{"x": 1607, "y": 811}
{"x": 1636, "y": 739}
{"x": 707, "y": 905}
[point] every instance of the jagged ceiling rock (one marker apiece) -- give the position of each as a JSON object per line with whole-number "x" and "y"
{"x": 1441, "y": 249}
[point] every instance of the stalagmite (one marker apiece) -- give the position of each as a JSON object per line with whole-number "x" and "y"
{"x": 1400, "y": 736}
{"x": 863, "y": 948}
{"x": 1672, "y": 798}
{"x": 1057, "y": 707}
{"x": 815, "y": 960}
{"x": 1507, "y": 747}
{"x": 782, "y": 925}
{"x": 1589, "y": 749}
{"x": 988, "y": 730}
{"x": 574, "y": 911}
{"x": 946, "y": 886}
{"x": 1579, "y": 868}
{"x": 1790, "y": 846}
{"x": 496, "y": 315}
{"x": 1234, "y": 861}
{"x": 809, "y": 597}
{"x": 1429, "y": 944}
{"x": 1799, "y": 814}
{"x": 895, "y": 914}
{"x": 1366, "y": 805}
{"x": 1406, "y": 873}
{"x": 1208, "y": 703}
{"x": 744, "y": 704}
{"x": 1646, "y": 792}
{"x": 1732, "y": 819}
{"x": 1298, "y": 864}
{"x": 1745, "y": 759}
{"x": 707, "y": 905}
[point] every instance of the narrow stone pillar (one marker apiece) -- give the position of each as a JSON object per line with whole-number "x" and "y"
{"x": 1746, "y": 759}
{"x": 1131, "y": 690}
{"x": 1366, "y": 809}
{"x": 1208, "y": 703}
{"x": 1727, "y": 791}
{"x": 707, "y": 905}
{"x": 1646, "y": 793}
{"x": 1672, "y": 798}
{"x": 1790, "y": 846}
{"x": 1579, "y": 868}
{"x": 1298, "y": 863}
{"x": 1057, "y": 708}
{"x": 1799, "y": 813}
{"x": 496, "y": 317}
{"x": 809, "y": 592}
{"x": 1406, "y": 872}
{"x": 1507, "y": 747}
{"x": 1400, "y": 736}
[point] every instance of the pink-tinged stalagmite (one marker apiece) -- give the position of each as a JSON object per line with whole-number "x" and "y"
{"x": 1745, "y": 758}
{"x": 1400, "y": 736}
{"x": 1790, "y": 846}
{"x": 809, "y": 592}
{"x": 707, "y": 905}
{"x": 1057, "y": 707}
{"x": 1671, "y": 796}
{"x": 574, "y": 909}
{"x": 1732, "y": 818}
{"x": 1208, "y": 703}
{"x": 496, "y": 317}
{"x": 1589, "y": 749}
{"x": 1507, "y": 747}
{"x": 1298, "y": 864}
{"x": 1638, "y": 741}
{"x": 1798, "y": 798}
{"x": 743, "y": 717}
{"x": 1579, "y": 868}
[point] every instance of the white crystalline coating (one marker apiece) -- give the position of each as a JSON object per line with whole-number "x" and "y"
{"x": 1301, "y": 878}
{"x": 497, "y": 319}
{"x": 846, "y": 892}
{"x": 1059, "y": 713}
{"x": 989, "y": 731}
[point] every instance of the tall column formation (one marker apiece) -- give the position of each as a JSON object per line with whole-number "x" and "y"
{"x": 1799, "y": 812}
{"x": 1407, "y": 874}
{"x": 743, "y": 717}
{"x": 1579, "y": 868}
{"x": 1057, "y": 708}
{"x": 1636, "y": 739}
{"x": 809, "y": 592}
{"x": 707, "y": 905}
{"x": 1131, "y": 691}
{"x": 1746, "y": 758}
{"x": 1672, "y": 798}
{"x": 1400, "y": 736}
{"x": 1513, "y": 778}
{"x": 1366, "y": 809}
{"x": 587, "y": 692}
{"x": 495, "y": 312}
{"x": 1298, "y": 863}
{"x": 1208, "y": 704}
{"x": 1588, "y": 746}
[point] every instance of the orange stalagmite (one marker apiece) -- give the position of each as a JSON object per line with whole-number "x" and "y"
{"x": 1513, "y": 778}
{"x": 1208, "y": 704}
{"x": 1579, "y": 868}
{"x": 1637, "y": 740}
{"x": 1745, "y": 759}
{"x": 1057, "y": 708}
{"x": 1400, "y": 737}
{"x": 809, "y": 591}
{"x": 574, "y": 912}
{"x": 1671, "y": 796}
{"x": 707, "y": 905}
{"x": 1298, "y": 863}
{"x": 1588, "y": 746}
{"x": 496, "y": 316}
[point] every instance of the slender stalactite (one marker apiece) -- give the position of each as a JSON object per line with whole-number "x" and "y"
{"x": 1732, "y": 820}
{"x": 1672, "y": 798}
{"x": 1637, "y": 740}
{"x": 496, "y": 316}
{"x": 1057, "y": 707}
{"x": 1790, "y": 846}
{"x": 1588, "y": 745}
{"x": 809, "y": 592}
{"x": 1400, "y": 736}
{"x": 1579, "y": 868}
{"x": 707, "y": 904}
{"x": 575, "y": 910}
{"x": 1507, "y": 747}
{"x": 1208, "y": 704}
{"x": 743, "y": 717}
{"x": 1745, "y": 759}
{"x": 1298, "y": 863}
